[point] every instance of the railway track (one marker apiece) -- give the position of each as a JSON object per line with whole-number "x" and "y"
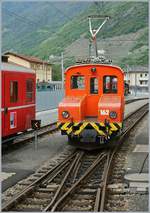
{"x": 29, "y": 135}
{"x": 78, "y": 183}
{"x": 44, "y": 130}
{"x": 134, "y": 100}
{"x": 70, "y": 201}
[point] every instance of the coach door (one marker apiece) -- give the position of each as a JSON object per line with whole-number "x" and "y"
{"x": 12, "y": 100}
{"x": 93, "y": 97}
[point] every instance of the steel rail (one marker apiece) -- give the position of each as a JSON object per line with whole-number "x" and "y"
{"x": 127, "y": 131}
{"x": 73, "y": 187}
{"x": 42, "y": 133}
{"x": 132, "y": 113}
{"x": 134, "y": 100}
{"x": 101, "y": 193}
{"x": 31, "y": 132}
{"x": 30, "y": 187}
{"x": 101, "y": 189}
{"x": 57, "y": 194}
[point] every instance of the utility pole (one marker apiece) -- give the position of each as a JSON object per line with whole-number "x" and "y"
{"x": 135, "y": 84}
{"x": 45, "y": 71}
{"x": 127, "y": 73}
{"x": 62, "y": 69}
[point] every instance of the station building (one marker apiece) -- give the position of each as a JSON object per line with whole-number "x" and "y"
{"x": 43, "y": 69}
{"x": 137, "y": 76}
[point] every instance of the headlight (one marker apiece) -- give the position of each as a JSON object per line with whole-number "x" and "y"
{"x": 113, "y": 115}
{"x": 65, "y": 114}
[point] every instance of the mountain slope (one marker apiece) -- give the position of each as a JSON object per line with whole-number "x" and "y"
{"x": 26, "y": 24}
{"x": 131, "y": 18}
{"x": 58, "y": 34}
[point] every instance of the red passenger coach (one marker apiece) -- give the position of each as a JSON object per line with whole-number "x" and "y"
{"x": 18, "y": 98}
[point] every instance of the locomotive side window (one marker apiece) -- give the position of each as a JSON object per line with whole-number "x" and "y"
{"x": 29, "y": 90}
{"x": 13, "y": 91}
{"x": 77, "y": 82}
{"x": 94, "y": 85}
{"x": 110, "y": 84}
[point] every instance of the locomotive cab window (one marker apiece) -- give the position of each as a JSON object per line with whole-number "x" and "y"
{"x": 29, "y": 90}
{"x": 110, "y": 84}
{"x": 77, "y": 82}
{"x": 13, "y": 91}
{"x": 94, "y": 86}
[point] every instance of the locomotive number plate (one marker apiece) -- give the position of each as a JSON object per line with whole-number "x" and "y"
{"x": 104, "y": 111}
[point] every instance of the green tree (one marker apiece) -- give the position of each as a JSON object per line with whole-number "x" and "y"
{"x": 56, "y": 72}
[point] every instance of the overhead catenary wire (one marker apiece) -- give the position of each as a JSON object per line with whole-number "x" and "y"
{"x": 23, "y": 19}
{"x": 27, "y": 21}
{"x": 61, "y": 12}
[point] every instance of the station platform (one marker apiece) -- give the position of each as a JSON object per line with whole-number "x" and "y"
{"x": 47, "y": 116}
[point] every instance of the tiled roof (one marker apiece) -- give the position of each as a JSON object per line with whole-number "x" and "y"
{"x": 15, "y": 67}
{"x": 27, "y": 58}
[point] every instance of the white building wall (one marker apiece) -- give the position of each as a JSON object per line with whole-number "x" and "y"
{"x": 43, "y": 71}
{"x": 18, "y": 61}
{"x": 137, "y": 78}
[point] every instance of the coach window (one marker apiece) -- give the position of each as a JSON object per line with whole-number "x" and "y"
{"x": 13, "y": 91}
{"x": 93, "y": 86}
{"x": 110, "y": 84}
{"x": 77, "y": 82}
{"x": 29, "y": 90}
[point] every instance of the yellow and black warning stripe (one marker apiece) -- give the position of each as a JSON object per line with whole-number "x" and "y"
{"x": 100, "y": 127}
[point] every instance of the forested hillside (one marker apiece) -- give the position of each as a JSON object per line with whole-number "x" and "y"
{"x": 26, "y": 24}
{"x": 51, "y": 28}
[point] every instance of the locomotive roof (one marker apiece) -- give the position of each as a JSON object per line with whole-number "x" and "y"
{"x": 84, "y": 65}
{"x": 15, "y": 67}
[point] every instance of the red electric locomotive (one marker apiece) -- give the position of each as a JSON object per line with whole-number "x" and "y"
{"x": 93, "y": 106}
{"x": 18, "y": 99}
